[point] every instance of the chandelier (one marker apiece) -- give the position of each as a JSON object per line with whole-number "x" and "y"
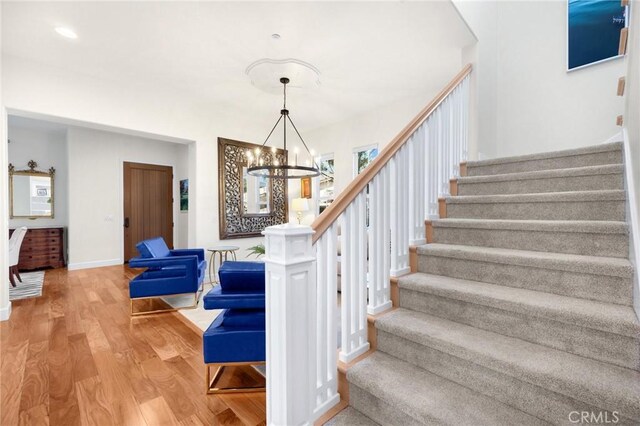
{"x": 257, "y": 166}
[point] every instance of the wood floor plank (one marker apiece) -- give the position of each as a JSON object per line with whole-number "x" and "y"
{"x": 143, "y": 388}
{"x": 81, "y": 357}
{"x": 62, "y": 398}
{"x": 158, "y": 412}
{"x": 114, "y": 379}
{"x": 35, "y": 384}
{"x": 35, "y": 416}
{"x": 171, "y": 389}
{"x": 12, "y": 370}
{"x": 163, "y": 349}
{"x": 126, "y": 412}
{"x": 67, "y": 358}
{"x": 95, "y": 410}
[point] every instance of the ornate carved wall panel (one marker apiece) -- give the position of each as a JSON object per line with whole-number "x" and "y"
{"x": 236, "y": 220}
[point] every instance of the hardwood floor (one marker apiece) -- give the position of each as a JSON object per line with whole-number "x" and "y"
{"x": 75, "y": 357}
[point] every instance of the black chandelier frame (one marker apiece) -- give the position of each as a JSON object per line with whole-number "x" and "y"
{"x": 284, "y": 171}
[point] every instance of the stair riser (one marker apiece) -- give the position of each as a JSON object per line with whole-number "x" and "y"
{"x": 581, "y": 210}
{"x": 594, "y": 159}
{"x": 378, "y": 410}
{"x": 608, "y": 245}
{"x": 533, "y": 186}
{"x": 608, "y": 347}
{"x": 523, "y": 395}
{"x": 605, "y": 288}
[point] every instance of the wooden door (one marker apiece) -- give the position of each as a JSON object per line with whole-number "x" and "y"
{"x": 148, "y": 205}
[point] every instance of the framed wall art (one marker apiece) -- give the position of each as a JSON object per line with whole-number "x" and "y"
{"x": 596, "y": 32}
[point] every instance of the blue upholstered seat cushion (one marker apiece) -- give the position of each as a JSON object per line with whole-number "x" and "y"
{"x": 242, "y": 276}
{"x": 222, "y": 343}
{"x": 154, "y": 283}
{"x": 219, "y": 298}
{"x": 244, "y": 318}
{"x": 153, "y": 247}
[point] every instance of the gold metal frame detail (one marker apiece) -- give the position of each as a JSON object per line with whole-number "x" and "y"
{"x": 196, "y": 298}
{"x": 211, "y": 381}
{"x": 31, "y": 172}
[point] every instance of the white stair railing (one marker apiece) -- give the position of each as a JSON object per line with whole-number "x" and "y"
{"x": 399, "y": 190}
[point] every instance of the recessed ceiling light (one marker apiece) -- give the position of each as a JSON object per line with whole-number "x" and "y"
{"x": 275, "y": 36}
{"x": 66, "y": 32}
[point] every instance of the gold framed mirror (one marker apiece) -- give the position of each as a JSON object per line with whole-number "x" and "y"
{"x": 248, "y": 204}
{"x": 31, "y": 192}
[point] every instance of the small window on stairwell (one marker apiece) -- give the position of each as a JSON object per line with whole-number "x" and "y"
{"x": 362, "y": 156}
{"x": 327, "y": 175}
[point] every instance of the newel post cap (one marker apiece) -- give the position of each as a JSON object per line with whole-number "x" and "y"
{"x": 288, "y": 244}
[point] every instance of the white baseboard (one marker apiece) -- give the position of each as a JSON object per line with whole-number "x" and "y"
{"x": 633, "y": 221}
{"x": 618, "y": 137}
{"x": 94, "y": 264}
{"x": 5, "y": 312}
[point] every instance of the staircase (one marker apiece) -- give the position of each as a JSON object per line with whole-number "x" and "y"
{"x": 520, "y": 312}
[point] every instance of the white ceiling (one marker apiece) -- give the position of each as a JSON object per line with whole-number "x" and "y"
{"x": 368, "y": 54}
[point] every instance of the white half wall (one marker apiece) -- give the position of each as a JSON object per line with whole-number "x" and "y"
{"x": 632, "y": 133}
{"x": 527, "y": 101}
{"x": 49, "y": 149}
{"x": 5, "y": 304}
{"x": 96, "y": 191}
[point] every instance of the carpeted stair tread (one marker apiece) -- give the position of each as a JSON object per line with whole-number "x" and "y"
{"x": 606, "y": 317}
{"x": 595, "y": 265}
{"x": 607, "y": 169}
{"x": 578, "y": 226}
{"x": 596, "y": 149}
{"x": 350, "y": 417}
{"x": 428, "y": 398}
{"x": 592, "y": 382}
{"x": 544, "y": 197}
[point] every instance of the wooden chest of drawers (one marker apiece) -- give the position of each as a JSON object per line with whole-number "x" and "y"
{"x": 42, "y": 248}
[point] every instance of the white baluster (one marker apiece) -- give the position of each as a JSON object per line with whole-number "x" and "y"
{"x": 465, "y": 115}
{"x": 416, "y": 184}
{"x": 400, "y": 229}
{"x": 326, "y": 324}
{"x": 379, "y": 297}
{"x": 457, "y": 133}
{"x": 354, "y": 339}
{"x": 394, "y": 208}
{"x": 386, "y": 227}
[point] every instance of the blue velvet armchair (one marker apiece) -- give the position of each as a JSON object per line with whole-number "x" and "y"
{"x": 237, "y": 336}
{"x": 168, "y": 273}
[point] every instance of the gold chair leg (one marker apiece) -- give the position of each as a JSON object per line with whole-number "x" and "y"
{"x": 211, "y": 381}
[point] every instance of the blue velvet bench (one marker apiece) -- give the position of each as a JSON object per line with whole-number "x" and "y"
{"x": 168, "y": 273}
{"x": 237, "y": 336}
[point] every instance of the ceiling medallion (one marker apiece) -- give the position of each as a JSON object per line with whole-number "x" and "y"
{"x": 265, "y": 74}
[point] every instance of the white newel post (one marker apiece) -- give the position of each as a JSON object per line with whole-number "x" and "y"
{"x": 290, "y": 324}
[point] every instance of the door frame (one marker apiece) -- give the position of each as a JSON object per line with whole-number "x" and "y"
{"x": 126, "y": 200}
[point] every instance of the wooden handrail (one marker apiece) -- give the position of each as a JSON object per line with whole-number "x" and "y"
{"x": 339, "y": 205}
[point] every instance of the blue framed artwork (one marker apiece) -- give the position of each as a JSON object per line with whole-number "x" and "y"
{"x": 593, "y": 31}
{"x": 184, "y": 195}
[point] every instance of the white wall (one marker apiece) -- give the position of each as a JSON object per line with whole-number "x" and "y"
{"x": 5, "y": 304}
{"x": 527, "y": 102}
{"x": 96, "y": 191}
{"x": 632, "y": 124}
{"x": 49, "y": 149}
{"x": 36, "y": 90}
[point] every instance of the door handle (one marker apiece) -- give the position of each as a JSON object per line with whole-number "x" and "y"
{"x": 126, "y": 222}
